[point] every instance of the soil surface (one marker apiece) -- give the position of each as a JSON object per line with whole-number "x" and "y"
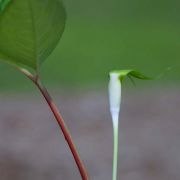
{"x": 33, "y": 148}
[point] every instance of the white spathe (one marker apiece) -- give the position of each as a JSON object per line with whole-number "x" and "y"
{"x": 115, "y": 96}
{"x": 115, "y": 104}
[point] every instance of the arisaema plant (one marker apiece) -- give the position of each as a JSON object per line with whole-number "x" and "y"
{"x": 29, "y": 32}
{"x": 115, "y": 89}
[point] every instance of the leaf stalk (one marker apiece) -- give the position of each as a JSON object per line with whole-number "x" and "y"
{"x": 60, "y": 121}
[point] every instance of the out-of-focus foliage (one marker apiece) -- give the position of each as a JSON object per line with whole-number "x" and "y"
{"x": 104, "y": 35}
{"x": 3, "y": 4}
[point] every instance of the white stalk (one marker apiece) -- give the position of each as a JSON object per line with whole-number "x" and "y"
{"x": 115, "y": 104}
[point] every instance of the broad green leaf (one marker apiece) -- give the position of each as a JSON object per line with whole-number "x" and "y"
{"x": 30, "y": 30}
{"x": 131, "y": 74}
{"x": 3, "y": 4}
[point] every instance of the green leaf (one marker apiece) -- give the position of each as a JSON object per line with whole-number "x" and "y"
{"x": 30, "y": 30}
{"x": 3, "y": 4}
{"x": 131, "y": 74}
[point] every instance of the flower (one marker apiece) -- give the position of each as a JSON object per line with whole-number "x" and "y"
{"x": 115, "y": 96}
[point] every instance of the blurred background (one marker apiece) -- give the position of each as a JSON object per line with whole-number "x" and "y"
{"x": 100, "y": 36}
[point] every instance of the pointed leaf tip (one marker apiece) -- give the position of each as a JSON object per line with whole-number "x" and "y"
{"x": 131, "y": 74}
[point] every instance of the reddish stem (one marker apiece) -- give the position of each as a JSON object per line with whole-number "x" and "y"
{"x": 60, "y": 122}
{"x": 65, "y": 130}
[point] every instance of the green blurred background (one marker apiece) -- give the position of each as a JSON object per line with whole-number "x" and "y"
{"x": 102, "y": 35}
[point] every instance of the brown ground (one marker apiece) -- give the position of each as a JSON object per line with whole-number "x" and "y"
{"x": 31, "y": 147}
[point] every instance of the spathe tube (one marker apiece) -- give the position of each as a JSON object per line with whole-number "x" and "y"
{"x": 115, "y": 104}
